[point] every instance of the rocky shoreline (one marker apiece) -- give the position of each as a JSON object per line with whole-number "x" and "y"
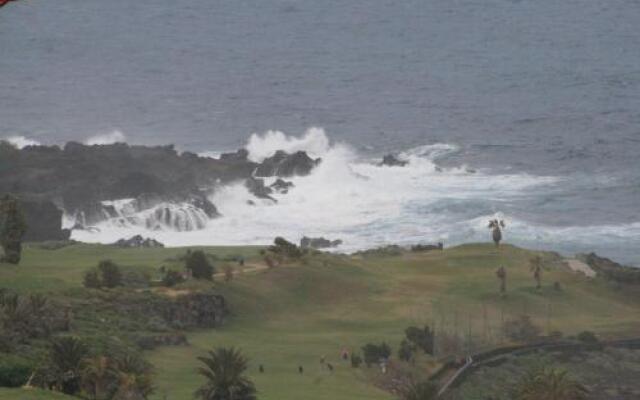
{"x": 155, "y": 187}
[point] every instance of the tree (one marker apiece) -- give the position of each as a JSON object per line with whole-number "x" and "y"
{"x": 133, "y": 378}
{"x": 172, "y": 278}
{"x": 375, "y": 353}
{"x": 535, "y": 266}
{"x": 496, "y": 227}
{"x": 92, "y": 279}
{"x": 98, "y": 375}
{"x": 405, "y": 352}
{"x": 421, "y": 338}
{"x": 12, "y": 229}
{"x": 224, "y": 370}
{"x": 421, "y": 391}
{"x": 110, "y": 274}
{"x": 199, "y": 265}
{"x": 501, "y": 273}
{"x": 549, "y": 384}
{"x": 65, "y": 360}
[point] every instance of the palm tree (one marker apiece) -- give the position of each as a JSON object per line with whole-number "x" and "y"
{"x": 501, "y": 273}
{"x": 97, "y": 375}
{"x": 66, "y": 357}
{"x": 133, "y": 379}
{"x": 224, "y": 371}
{"x": 549, "y": 384}
{"x": 535, "y": 266}
{"x": 496, "y": 226}
{"x": 421, "y": 391}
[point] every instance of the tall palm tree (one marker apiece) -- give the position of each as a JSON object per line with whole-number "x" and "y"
{"x": 98, "y": 374}
{"x": 496, "y": 227}
{"x": 535, "y": 266}
{"x": 549, "y": 384}
{"x": 225, "y": 380}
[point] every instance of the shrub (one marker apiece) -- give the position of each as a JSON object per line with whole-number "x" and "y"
{"x": 14, "y": 372}
{"x": 284, "y": 248}
{"x": 421, "y": 338}
{"x": 374, "y": 353}
{"x": 136, "y": 279}
{"x": 405, "y": 352}
{"x": 92, "y": 280}
{"x": 521, "y": 329}
{"x": 110, "y": 275}
{"x": 199, "y": 265}
{"x": 356, "y": 360}
{"x": 172, "y": 278}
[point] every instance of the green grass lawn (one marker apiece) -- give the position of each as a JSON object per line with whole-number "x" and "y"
{"x": 31, "y": 394}
{"x": 293, "y": 315}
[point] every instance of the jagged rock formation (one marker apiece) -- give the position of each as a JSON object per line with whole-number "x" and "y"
{"x": 285, "y": 165}
{"x": 318, "y": 243}
{"x": 392, "y": 161}
{"x": 258, "y": 188}
{"x": 139, "y": 242}
{"x": 163, "y": 189}
{"x": 281, "y": 186}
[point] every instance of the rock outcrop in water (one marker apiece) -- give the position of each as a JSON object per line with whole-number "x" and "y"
{"x": 392, "y": 161}
{"x": 138, "y": 241}
{"x": 150, "y": 187}
{"x": 286, "y": 165}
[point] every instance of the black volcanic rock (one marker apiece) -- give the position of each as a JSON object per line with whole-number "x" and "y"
{"x": 241, "y": 155}
{"x": 286, "y": 165}
{"x": 258, "y": 188}
{"x": 44, "y": 221}
{"x": 392, "y": 161}
{"x": 138, "y": 241}
{"x": 281, "y": 186}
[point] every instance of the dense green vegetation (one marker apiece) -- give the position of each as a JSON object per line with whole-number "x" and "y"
{"x": 309, "y": 308}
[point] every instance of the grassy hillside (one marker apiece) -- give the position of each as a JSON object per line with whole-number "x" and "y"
{"x": 31, "y": 394}
{"x": 295, "y": 314}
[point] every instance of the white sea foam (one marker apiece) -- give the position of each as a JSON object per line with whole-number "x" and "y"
{"x": 115, "y": 136}
{"x": 21, "y": 141}
{"x": 352, "y": 199}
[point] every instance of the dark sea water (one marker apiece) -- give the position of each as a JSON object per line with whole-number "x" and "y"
{"x": 539, "y": 91}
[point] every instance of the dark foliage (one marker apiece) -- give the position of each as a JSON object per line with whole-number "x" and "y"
{"x": 374, "y": 353}
{"x": 199, "y": 265}
{"x": 12, "y": 229}
{"x": 172, "y": 278}
{"x": 421, "y": 338}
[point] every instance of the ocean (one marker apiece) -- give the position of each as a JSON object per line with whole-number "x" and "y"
{"x": 528, "y": 111}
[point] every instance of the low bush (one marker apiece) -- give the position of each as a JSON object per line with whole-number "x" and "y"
{"x": 14, "y": 372}
{"x": 374, "y": 353}
{"x": 198, "y": 263}
{"x": 172, "y": 278}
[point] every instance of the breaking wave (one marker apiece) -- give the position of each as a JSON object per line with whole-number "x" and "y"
{"x": 354, "y": 198}
{"x": 115, "y": 136}
{"x": 21, "y": 141}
